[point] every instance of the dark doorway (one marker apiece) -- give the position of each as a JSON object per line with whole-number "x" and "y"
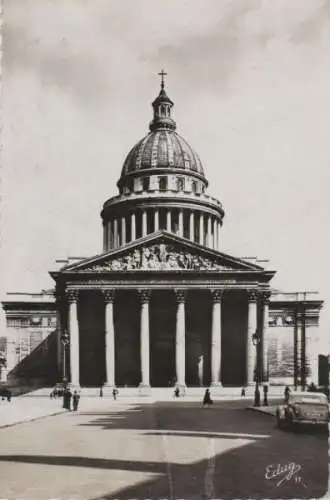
{"x": 127, "y": 338}
{"x": 162, "y": 338}
{"x": 234, "y": 338}
{"x": 91, "y": 317}
{"x": 198, "y": 338}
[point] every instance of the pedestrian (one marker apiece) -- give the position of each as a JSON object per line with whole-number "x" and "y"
{"x": 286, "y": 394}
{"x": 265, "y": 395}
{"x": 257, "y": 395}
{"x": 114, "y": 393}
{"x": 312, "y": 387}
{"x": 207, "y": 398}
{"x": 101, "y": 391}
{"x": 177, "y": 392}
{"x": 75, "y": 400}
{"x": 67, "y": 395}
{"x": 243, "y": 392}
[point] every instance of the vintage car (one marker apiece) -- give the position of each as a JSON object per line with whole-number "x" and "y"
{"x": 303, "y": 408}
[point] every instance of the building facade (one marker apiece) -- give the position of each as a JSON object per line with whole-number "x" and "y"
{"x": 162, "y": 304}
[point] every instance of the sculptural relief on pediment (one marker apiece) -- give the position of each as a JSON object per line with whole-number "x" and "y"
{"x": 158, "y": 257}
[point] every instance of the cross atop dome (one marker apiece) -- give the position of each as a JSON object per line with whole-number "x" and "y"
{"x": 162, "y": 82}
{"x": 162, "y": 108}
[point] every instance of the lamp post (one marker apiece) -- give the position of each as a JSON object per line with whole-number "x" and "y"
{"x": 65, "y": 341}
{"x": 256, "y": 343}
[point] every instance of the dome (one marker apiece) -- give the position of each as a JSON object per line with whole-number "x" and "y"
{"x": 163, "y": 149}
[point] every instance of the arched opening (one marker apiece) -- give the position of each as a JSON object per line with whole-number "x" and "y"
{"x": 145, "y": 183}
{"x": 180, "y": 183}
{"x": 162, "y": 183}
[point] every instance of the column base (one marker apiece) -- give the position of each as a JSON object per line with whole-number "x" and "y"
{"x": 107, "y": 390}
{"x": 144, "y": 389}
{"x": 180, "y": 390}
{"x": 74, "y": 387}
{"x": 216, "y": 385}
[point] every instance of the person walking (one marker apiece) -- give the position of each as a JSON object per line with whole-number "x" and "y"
{"x": 243, "y": 392}
{"x": 75, "y": 400}
{"x": 67, "y": 395}
{"x": 265, "y": 395}
{"x": 101, "y": 391}
{"x": 286, "y": 394}
{"x": 177, "y": 392}
{"x": 114, "y": 393}
{"x": 207, "y": 400}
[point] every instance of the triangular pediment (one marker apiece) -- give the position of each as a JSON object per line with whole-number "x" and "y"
{"x": 161, "y": 252}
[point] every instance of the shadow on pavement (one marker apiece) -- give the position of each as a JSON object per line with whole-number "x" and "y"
{"x": 249, "y": 470}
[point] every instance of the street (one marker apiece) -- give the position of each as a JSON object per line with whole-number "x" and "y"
{"x": 171, "y": 450}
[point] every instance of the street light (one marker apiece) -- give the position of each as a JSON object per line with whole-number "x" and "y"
{"x": 256, "y": 342}
{"x": 65, "y": 340}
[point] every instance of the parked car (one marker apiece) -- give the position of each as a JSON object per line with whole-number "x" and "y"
{"x": 303, "y": 408}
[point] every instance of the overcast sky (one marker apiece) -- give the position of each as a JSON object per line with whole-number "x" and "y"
{"x": 251, "y": 85}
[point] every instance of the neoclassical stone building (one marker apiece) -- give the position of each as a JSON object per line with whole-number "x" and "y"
{"x": 162, "y": 304}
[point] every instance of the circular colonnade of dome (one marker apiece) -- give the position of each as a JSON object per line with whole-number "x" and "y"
{"x": 162, "y": 187}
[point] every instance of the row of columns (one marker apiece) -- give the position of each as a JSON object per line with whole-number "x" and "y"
{"x": 180, "y": 336}
{"x": 116, "y": 234}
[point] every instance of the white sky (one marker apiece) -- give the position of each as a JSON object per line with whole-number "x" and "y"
{"x": 251, "y": 86}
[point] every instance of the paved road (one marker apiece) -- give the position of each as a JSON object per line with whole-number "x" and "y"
{"x": 165, "y": 450}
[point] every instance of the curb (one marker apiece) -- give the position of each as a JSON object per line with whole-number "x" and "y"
{"x": 32, "y": 419}
{"x": 251, "y": 408}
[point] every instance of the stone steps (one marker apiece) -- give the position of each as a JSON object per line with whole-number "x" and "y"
{"x": 165, "y": 393}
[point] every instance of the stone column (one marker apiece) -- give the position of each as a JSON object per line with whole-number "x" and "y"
{"x": 251, "y": 329}
{"x": 104, "y": 237}
{"x": 201, "y": 229}
{"x": 181, "y": 223}
{"x": 109, "y": 235}
{"x": 59, "y": 345}
{"x": 214, "y": 234}
{"x": 209, "y": 232}
{"x": 109, "y": 296}
{"x": 144, "y": 223}
{"x": 156, "y": 220}
{"x": 133, "y": 227}
{"x": 123, "y": 231}
{"x": 74, "y": 337}
{"x": 144, "y": 339}
{"x": 218, "y": 235}
{"x": 115, "y": 233}
{"x": 216, "y": 338}
{"x": 180, "y": 341}
{"x": 265, "y": 335}
{"x": 168, "y": 221}
{"x": 192, "y": 226}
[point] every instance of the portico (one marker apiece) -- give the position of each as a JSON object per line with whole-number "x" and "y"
{"x": 135, "y": 317}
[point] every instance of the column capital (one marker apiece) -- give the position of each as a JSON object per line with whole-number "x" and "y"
{"x": 144, "y": 295}
{"x": 217, "y": 295}
{"x": 180, "y": 295}
{"x": 253, "y": 295}
{"x": 109, "y": 295}
{"x": 72, "y": 296}
{"x": 265, "y": 296}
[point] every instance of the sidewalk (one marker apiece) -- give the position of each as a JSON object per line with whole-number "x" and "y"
{"x": 267, "y": 410}
{"x": 25, "y": 410}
